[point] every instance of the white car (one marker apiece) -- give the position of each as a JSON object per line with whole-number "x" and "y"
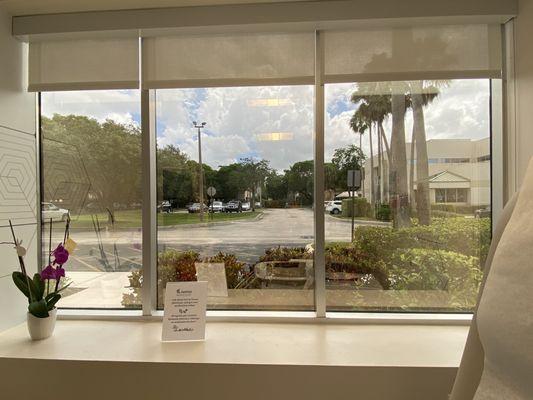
{"x": 195, "y": 208}
{"x": 217, "y": 206}
{"x": 334, "y": 207}
{"x": 245, "y": 206}
{"x": 49, "y": 210}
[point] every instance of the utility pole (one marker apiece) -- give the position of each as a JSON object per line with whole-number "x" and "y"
{"x": 201, "y": 172}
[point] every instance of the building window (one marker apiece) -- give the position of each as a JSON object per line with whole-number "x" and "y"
{"x": 451, "y": 195}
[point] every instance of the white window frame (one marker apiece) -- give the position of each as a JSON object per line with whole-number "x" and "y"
{"x": 502, "y": 133}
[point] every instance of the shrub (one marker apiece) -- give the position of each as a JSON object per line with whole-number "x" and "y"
{"x": 274, "y": 204}
{"x": 426, "y": 269}
{"x": 234, "y": 268}
{"x": 455, "y": 208}
{"x": 467, "y": 236}
{"x": 341, "y": 257}
{"x": 178, "y": 266}
{"x": 383, "y": 212}
{"x": 358, "y": 206}
{"x": 285, "y": 254}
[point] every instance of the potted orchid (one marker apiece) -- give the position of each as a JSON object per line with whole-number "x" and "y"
{"x": 43, "y": 290}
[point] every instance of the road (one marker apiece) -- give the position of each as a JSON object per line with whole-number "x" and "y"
{"x": 247, "y": 239}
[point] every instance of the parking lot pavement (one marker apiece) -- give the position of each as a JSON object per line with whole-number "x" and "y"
{"x": 248, "y": 239}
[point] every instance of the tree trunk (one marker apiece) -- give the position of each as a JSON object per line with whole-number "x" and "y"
{"x": 386, "y": 170}
{"x": 362, "y": 175}
{"x": 380, "y": 158}
{"x": 412, "y": 171}
{"x": 423, "y": 204}
{"x": 372, "y": 189}
{"x": 399, "y": 157}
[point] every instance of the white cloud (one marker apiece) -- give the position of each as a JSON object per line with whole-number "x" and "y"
{"x": 233, "y": 124}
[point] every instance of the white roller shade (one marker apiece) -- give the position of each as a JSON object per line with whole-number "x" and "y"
{"x": 84, "y": 64}
{"x": 423, "y": 52}
{"x": 228, "y": 60}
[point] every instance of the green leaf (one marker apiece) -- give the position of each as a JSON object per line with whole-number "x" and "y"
{"x": 51, "y": 300}
{"x": 38, "y": 309}
{"x": 20, "y": 281}
{"x": 63, "y": 288}
{"x": 34, "y": 289}
{"x": 39, "y": 285}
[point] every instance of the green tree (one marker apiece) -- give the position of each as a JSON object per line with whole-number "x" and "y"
{"x": 110, "y": 153}
{"x": 175, "y": 177}
{"x": 276, "y": 186}
{"x": 300, "y": 181}
{"x": 345, "y": 159}
{"x": 254, "y": 174}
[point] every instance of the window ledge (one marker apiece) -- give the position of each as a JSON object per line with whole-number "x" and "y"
{"x": 311, "y": 344}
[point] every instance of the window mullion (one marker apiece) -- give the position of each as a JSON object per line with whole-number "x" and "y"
{"x": 149, "y": 203}
{"x": 319, "y": 254}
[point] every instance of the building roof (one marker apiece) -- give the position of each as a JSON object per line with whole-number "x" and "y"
{"x": 447, "y": 176}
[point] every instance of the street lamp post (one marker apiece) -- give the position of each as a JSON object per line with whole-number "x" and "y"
{"x": 201, "y": 172}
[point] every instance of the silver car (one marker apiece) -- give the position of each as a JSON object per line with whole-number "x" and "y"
{"x": 51, "y": 211}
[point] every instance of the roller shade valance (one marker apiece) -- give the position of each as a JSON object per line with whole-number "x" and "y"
{"x": 84, "y": 64}
{"x": 422, "y": 52}
{"x": 228, "y": 60}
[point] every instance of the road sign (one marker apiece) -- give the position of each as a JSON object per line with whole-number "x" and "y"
{"x": 354, "y": 179}
{"x": 211, "y": 191}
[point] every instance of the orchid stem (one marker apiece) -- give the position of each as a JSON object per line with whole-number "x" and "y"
{"x": 21, "y": 262}
{"x": 50, "y": 244}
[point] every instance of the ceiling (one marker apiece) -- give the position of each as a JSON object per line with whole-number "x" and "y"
{"x": 31, "y": 7}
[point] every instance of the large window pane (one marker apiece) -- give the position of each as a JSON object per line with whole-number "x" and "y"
{"x": 421, "y": 214}
{"x": 91, "y": 171}
{"x": 243, "y": 220}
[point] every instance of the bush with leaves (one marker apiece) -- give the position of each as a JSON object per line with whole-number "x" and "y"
{"x": 179, "y": 266}
{"x": 426, "y": 269}
{"x": 234, "y": 268}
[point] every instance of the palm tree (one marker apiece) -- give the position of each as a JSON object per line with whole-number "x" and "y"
{"x": 399, "y": 157}
{"x": 422, "y": 94}
{"x": 360, "y": 124}
{"x": 378, "y": 108}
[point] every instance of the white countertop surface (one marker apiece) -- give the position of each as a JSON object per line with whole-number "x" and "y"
{"x": 246, "y": 343}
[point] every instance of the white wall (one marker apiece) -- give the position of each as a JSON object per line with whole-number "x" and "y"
{"x": 18, "y": 192}
{"x": 524, "y": 86}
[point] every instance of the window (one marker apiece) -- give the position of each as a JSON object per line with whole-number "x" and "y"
{"x": 250, "y": 212}
{"x": 409, "y": 250}
{"x": 451, "y": 195}
{"x": 91, "y": 172}
{"x": 384, "y": 164}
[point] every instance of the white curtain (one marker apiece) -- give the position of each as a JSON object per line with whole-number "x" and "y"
{"x": 413, "y": 53}
{"x": 228, "y": 60}
{"x": 84, "y": 64}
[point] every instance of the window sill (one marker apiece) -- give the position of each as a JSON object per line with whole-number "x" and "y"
{"x": 246, "y": 343}
{"x": 238, "y": 360}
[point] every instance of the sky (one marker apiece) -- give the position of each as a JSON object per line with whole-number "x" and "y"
{"x": 242, "y": 121}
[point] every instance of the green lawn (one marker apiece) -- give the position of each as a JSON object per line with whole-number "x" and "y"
{"x": 132, "y": 219}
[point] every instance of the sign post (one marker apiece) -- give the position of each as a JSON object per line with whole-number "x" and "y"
{"x": 354, "y": 183}
{"x": 211, "y": 191}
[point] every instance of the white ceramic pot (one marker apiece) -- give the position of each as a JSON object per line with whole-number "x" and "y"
{"x": 41, "y": 328}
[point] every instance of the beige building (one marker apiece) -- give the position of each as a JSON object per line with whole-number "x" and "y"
{"x": 459, "y": 172}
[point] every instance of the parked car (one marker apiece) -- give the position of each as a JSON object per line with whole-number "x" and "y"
{"x": 52, "y": 211}
{"x": 334, "y": 207}
{"x": 195, "y": 208}
{"x": 483, "y": 212}
{"x": 216, "y": 206}
{"x": 165, "y": 207}
{"x": 246, "y": 207}
{"x": 234, "y": 206}
{"x": 258, "y": 204}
